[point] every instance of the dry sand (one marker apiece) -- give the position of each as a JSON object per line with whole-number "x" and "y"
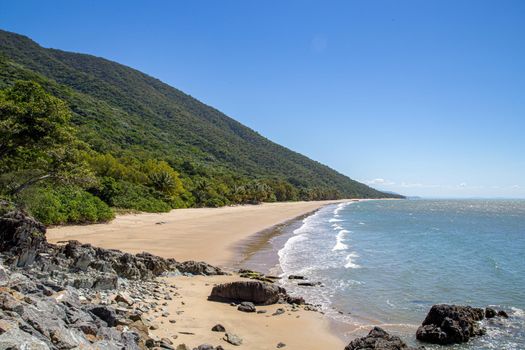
{"x": 214, "y": 236}
{"x": 304, "y": 330}
{"x": 205, "y": 234}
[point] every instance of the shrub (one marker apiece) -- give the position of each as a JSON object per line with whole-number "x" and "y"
{"x": 53, "y": 206}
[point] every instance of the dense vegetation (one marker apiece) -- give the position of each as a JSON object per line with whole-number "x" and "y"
{"x": 80, "y": 134}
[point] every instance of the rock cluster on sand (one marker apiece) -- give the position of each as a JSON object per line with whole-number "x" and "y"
{"x": 378, "y": 339}
{"x": 75, "y": 295}
{"x": 254, "y": 275}
{"x": 450, "y": 324}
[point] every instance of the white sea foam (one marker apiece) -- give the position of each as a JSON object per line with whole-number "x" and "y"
{"x": 299, "y": 234}
{"x": 350, "y": 264}
{"x": 339, "y": 245}
{"x": 335, "y": 220}
{"x": 517, "y": 312}
{"x": 337, "y": 227}
{"x": 340, "y": 207}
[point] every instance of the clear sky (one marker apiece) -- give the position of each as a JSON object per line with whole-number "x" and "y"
{"x": 418, "y": 97}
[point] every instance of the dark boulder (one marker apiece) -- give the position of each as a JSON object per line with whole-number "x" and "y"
{"x": 450, "y": 324}
{"x": 490, "y": 313}
{"x": 218, "y": 328}
{"x": 379, "y": 339}
{"x": 21, "y": 237}
{"x": 295, "y": 300}
{"x": 105, "y": 313}
{"x": 253, "y": 291}
{"x": 296, "y": 277}
{"x": 503, "y": 314}
{"x": 309, "y": 284}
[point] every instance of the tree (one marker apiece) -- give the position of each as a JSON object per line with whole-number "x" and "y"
{"x": 163, "y": 178}
{"x": 36, "y": 139}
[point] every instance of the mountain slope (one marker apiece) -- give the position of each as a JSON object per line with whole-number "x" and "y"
{"x": 120, "y": 110}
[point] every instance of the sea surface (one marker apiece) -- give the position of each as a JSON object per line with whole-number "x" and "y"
{"x": 386, "y": 262}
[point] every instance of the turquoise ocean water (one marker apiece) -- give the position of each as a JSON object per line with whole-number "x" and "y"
{"x": 386, "y": 262}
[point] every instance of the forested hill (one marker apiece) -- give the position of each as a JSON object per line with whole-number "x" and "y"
{"x": 122, "y": 112}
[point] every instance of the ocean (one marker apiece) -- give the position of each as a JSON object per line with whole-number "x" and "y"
{"x": 386, "y": 262}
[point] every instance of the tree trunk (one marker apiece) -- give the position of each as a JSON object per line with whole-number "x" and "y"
{"x": 29, "y": 183}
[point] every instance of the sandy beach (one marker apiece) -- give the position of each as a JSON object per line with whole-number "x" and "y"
{"x": 216, "y": 236}
{"x": 195, "y": 316}
{"x": 206, "y": 234}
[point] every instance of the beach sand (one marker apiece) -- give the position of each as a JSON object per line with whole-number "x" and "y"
{"x": 218, "y": 236}
{"x": 297, "y": 329}
{"x": 214, "y": 235}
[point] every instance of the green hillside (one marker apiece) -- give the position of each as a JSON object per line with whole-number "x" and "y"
{"x": 129, "y": 116}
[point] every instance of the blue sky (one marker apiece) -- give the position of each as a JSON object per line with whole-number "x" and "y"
{"x": 418, "y": 97}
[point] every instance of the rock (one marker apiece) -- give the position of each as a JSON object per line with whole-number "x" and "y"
{"x": 246, "y": 306}
{"x": 490, "y": 313}
{"x": 503, "y": 314}
{"x": 198, "y": 268}
{"x": 106, "y": 281}
{"x": 232, "y": 339}
{"x": 165, "y": 343}
{"x": 296, "y": 277}
{"x": 378, "y": 339}
{"x": 15, "y": 338}
{"x": 278, "y": 312}
{"x": 254, "y": 275}
{"x": 182, "y": 347}
{"x": 253, "y": 291}
{"x": 218, "y": 328}
{"x": 450, "y": 324}
{"x": 21, "y": 238}
{"x": 281, "y": 345}
{"x": 205, "y": 347}
{"x": 295, "y": 300}
{"x": 4, "y": 277}
{"x": 309, "y": 284}
{"x": 106, "y": 314}
{"x": 124, "y": 298}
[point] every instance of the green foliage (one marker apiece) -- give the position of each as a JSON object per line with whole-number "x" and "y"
{"x": 126, "y": 195}
{"x": 37, "y": 141}
{"x": 65, "y": 204}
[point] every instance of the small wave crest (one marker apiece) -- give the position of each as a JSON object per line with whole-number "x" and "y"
{"x": 339, "y": 245}
{"x": 350, "y": 264}
{"x": 340, "y": 207}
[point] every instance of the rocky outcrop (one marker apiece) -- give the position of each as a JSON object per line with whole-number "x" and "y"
{"x": 198, "y": 268}
{"x": 450, "y": 324}
{"x": 378, "y": 339}
{"x": 257, "y": 292}
{"x": 32, "y": 319}
{"x": 23, "y": 244}
{"x": 21, "y": 237}
{"x": 76, "y": 296}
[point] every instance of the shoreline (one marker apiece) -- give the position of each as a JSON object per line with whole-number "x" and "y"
{"x": 213, "y": 235}
{"x": 249, "y": 247}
